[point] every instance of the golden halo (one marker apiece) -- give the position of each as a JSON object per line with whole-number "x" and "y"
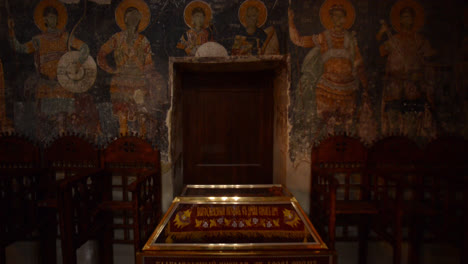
{"x": 188, "y": 13}
{"x": 325, "y": 13}
{"x": 138, "y": 4}
{"x": 39, "y": 14}
{"x": 262, "y": 15}
{"x": 418, "y": 22}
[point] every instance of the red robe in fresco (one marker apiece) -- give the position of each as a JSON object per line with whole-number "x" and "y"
{"x": 135, "y": 85}
{"x": 192, "y": 39}
{"x": 334, "y": 69}
{"x": 407, "y": 96}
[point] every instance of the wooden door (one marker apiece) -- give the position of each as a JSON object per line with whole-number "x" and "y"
{"x": 227, "y": 128}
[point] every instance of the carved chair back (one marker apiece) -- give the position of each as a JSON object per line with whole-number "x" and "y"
{"x": 395, "y": 160}
{"x": 343, "y": 158}
{"x": 69, "y": 154}
{"x": 135, "y": 167}
{"x": 65, "y": 158}
{"x": 18, "y": 152}
{"x": 20, "y": 188}
{"x": 394, "y": 167}
{"x": 340, "y": 189}
{"x": 444, "y": 187}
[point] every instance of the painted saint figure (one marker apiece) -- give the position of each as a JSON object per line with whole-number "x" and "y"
{"x": 407, "y": 97}
{"x": 54, "y": 101}
{"x": 136, "y": 86}
{"x": 333, "y": 69}
{"x": 251, "y": 39}
{"x": 197, "y": 16}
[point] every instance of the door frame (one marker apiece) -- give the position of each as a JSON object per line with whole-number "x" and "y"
{"x": 279, "y": 64}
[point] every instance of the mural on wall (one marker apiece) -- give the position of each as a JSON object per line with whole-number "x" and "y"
{"x": 56, "y": 107}
{"x": 251, "y": 39}
{"x": 341, "y": 81}
{"x": 331, "y": 74}
{"x": 408, "y": 89}
{"x": 137, "y": 89}
{"x": 197, "y": 16}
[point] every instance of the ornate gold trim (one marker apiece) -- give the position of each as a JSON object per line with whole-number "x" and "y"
{"x": 317, "y": 244}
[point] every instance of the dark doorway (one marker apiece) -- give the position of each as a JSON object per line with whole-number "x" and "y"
{"x": 227, "y": 122}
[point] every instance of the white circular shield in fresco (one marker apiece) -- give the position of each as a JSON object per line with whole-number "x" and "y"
{"x": 74, "y": 77}
{"x": 211, "y": 49}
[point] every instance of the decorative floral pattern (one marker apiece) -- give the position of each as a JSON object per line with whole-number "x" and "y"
{"x": 236, "y": 223}
{"x": 291, "y": 218}
{"x": 182, "y": 218}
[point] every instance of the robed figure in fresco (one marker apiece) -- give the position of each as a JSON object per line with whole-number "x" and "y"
{"x": 197, "y": 16}
{"x": 331, "y": 73}
{"x": 55, "y": 103}
{"x": 407, "y": 96}
{"x": 136, "y": 87}
{"x": 252, "y": 39}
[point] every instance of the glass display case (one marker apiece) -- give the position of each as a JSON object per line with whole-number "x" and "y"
{"x": 235, "y": 224}
{"x": 258, "y": 190}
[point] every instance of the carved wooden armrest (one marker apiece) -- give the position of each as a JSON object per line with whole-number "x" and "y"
{"x": 142, "y": 180}
{"x": 325, "y": 186}
{"x": 146, "y": 205}
{"x": 79, "y": 201}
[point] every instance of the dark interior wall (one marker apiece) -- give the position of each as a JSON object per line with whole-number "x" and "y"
{"x": 94, "y": 111}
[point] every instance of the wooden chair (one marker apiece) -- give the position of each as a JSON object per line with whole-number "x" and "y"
{"x": 394, "y": 167}
{"x": 146, "y": 205}
{"x": 340, "y": 191}
{"x": 72, "y": 158}
{"x": 21, "y": 186}
{"x": 81, "y": 218}
{"x": 135, "y": 198}
{"x": 69, "y": 154}
{"x": 64, "y": 157}
{"x": 445, "y": 189}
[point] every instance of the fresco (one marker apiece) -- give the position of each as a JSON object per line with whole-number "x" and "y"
{"x": 56, "y": 106}
{"x": 197, "y": 16}
{"x": 332, "y": 74}
{"x": 408, "y": 91}
{"x": 136, "y": 90}
{"x": 361, "y": 67}
{"x": 251, "y": 39}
